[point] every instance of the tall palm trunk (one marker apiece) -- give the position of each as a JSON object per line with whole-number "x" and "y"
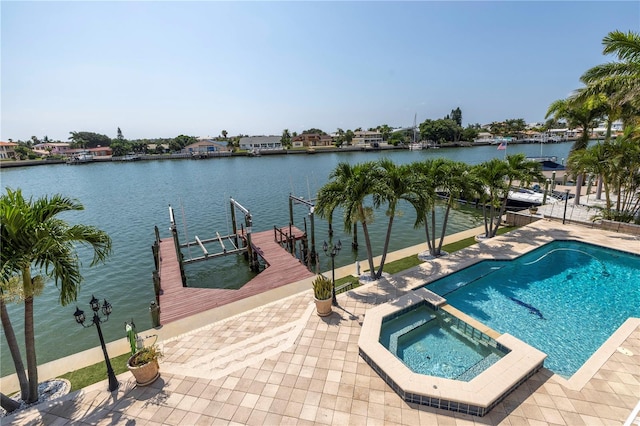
{"x": 444, "y": 224}
{"x": 579, "y": 180}
{"x": 433, "y": 231}
{"x": 428, "y": 235}
{"x": 367, "y": 242}
{"x": 12, "y": 342}
{"x": 29, "y": 336}
{"x": 392, "y": 213}
{"x": 8, "y": 404}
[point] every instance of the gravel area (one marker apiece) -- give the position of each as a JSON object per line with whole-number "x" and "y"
{"x": 47, "y": 391}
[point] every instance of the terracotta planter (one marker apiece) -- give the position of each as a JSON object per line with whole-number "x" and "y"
{"x": 323, "y": 307}
{"x": 145, "y": 374}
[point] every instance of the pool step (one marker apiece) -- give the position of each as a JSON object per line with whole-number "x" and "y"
{"x": 478, "y": 367}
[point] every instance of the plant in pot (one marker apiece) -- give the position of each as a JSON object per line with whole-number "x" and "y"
{"x": 322, "y": 293}
{"x": 144, "y": 365}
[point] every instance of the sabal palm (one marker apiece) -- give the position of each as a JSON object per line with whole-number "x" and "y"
{"x": 34, "y": 240}
{"x": 349, "y": 187}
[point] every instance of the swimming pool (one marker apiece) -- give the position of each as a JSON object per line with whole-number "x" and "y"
{"x": 564, "y": 298}
{"x": 431, "y": 342}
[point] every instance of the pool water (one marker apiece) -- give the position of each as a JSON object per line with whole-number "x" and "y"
{"x": 428, "y": 342}
{"x": 565, "y": 298}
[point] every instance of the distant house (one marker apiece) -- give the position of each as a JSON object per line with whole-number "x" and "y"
{"x": 7, "y": 150}
{"x": 367, "y": 138}
{"x": 56, "y": 148}
{"x": 311, "y": 140}
{"x": 206, "y": 146}
{"x": 101, "y": 151}
{"x": 260, "y": 143}
{"x": 153, "y": 147}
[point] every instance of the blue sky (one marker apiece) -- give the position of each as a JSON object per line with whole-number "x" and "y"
{"x": 160, "y": 69}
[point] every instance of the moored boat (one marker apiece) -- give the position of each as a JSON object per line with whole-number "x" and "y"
{"x": 81, "y": 157}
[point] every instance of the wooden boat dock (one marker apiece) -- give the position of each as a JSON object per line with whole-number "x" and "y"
{"x": 178, "y": 302}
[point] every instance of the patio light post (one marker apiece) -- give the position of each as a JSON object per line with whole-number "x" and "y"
{"x": 333, "y": 252}
{"x": 97, "y": 320}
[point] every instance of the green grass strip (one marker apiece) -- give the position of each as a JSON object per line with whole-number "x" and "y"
{"x": 95, "y": 373}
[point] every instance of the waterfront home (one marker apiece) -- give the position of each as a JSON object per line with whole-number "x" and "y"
{"x": 260, "y": 143}
{"x": 55, "y": 148}
{"x": 7, "y": 150}
{"x": 206, "y": 146}
{"x": 307, "y": 140}
{"x": 367, "y": 138}
{"x": 484, "y": 137}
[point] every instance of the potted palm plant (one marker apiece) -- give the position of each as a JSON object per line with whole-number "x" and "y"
{"x": 322, "y": 293}
{"x": 144, "y": 365}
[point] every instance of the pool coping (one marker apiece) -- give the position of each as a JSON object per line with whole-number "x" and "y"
{"x": 508, "y": 247}
{"x": 477, "y": 396}
{"x": 494, "y": 249}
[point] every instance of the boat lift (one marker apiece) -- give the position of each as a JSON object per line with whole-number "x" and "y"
{"x": 233, "y": 239}
{"x": 312, "y": 254}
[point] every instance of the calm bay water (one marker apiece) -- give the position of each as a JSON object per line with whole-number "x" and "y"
{"x": 128, "y": 199}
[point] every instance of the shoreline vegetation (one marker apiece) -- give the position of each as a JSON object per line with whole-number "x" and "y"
{"x": 242, "y": 153}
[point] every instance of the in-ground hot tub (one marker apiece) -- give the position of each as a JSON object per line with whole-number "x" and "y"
{"x": 493, "y": 365}
{"x": 435, "y": 343}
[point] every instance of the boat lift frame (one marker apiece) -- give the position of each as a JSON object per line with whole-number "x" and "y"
{"x": 312, "y": 257}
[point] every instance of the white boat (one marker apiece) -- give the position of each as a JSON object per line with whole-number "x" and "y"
{"x": 415, "y": 145}
{"x": 131, "y": 157}
{"x": 81, "y": 157}
{"x": 523, "y": 197}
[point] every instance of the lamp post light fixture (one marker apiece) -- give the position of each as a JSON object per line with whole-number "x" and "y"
{"x": 566, "y": 200}
{"x": 333, "y": 252}
{"x": 97, "y": 320}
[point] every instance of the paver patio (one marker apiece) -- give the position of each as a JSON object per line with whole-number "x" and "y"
{"x": 282, "y": 364}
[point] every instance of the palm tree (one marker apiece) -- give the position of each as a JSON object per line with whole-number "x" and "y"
{"x": 444, "y": 176}
{"x": 349, "y": 187}
{"x": 496, "y": 178}
{"x": 35, "y": 240}
{"x": 580, "y": 113}
{"x": 622, "y": 78}
{"x": 385, "y": 131}
{"x": 624, "y": 157}
{"x": 286, "y": 138}
{"x": 395, "y": 185}
{"x": 593, "y": 160}
{"x": 493, "y": 189}
{"x": 7, "y": 403}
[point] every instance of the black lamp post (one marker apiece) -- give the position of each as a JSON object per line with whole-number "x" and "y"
{"x": 333, "y": 252}
{"x": 566, "y": 200}
{"x": 106, "y": 311}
